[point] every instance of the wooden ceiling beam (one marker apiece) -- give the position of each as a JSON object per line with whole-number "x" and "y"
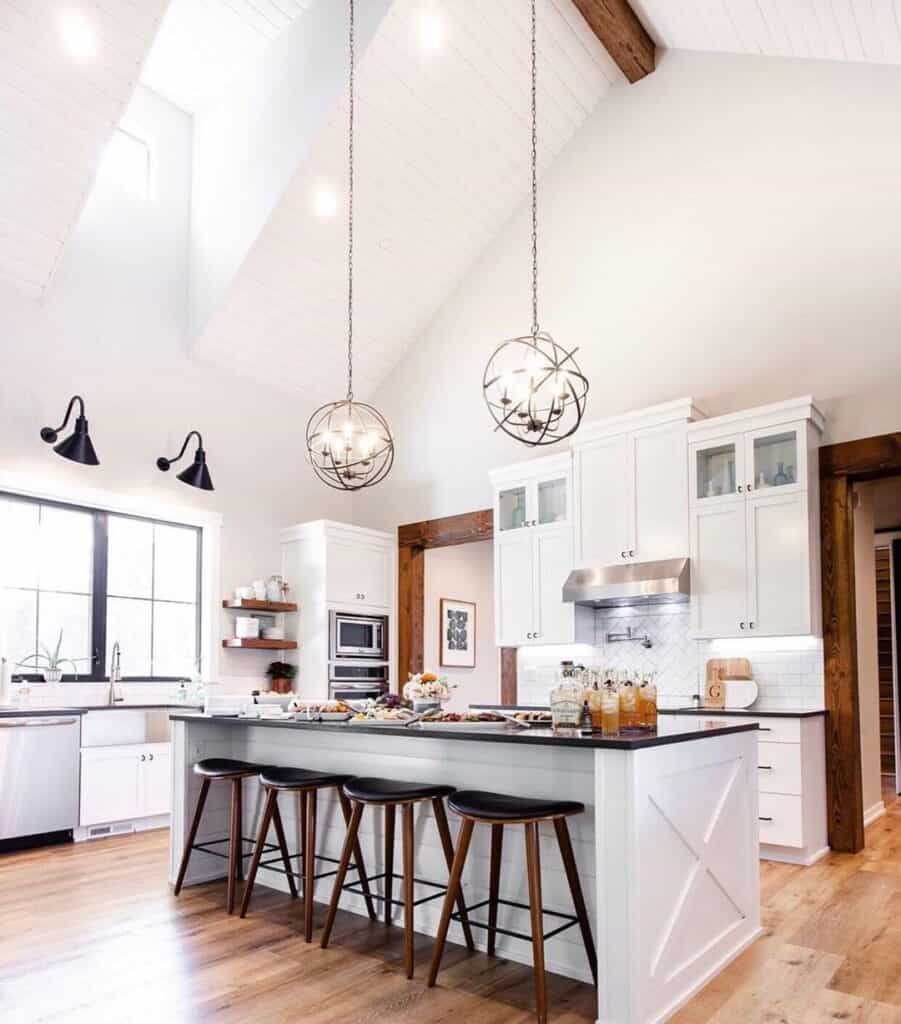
{"x": 622, "y": 35}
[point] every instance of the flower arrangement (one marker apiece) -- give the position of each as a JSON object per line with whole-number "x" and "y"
{"x": 426, "y": 686}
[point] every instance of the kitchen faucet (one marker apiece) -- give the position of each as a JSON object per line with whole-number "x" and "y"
{"x": 115, "y": 676}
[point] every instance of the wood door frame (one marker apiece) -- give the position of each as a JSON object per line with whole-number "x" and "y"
{"x": 841, "y": 467}
{"x": 413, "y": 540}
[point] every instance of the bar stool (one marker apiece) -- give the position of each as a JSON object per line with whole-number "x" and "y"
{"x": 223, "y": 769}
{"x": 391, "y": 794}
{"x": 498, "y": 810}
{"x": 307, "y": 784}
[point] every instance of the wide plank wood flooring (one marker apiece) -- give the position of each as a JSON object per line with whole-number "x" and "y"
{"x": 93, "y": 933}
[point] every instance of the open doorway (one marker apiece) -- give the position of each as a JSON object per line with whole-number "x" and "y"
{"x": 852, "y": 696}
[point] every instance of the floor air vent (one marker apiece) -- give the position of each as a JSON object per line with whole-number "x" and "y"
{"x": 99, "y": 831}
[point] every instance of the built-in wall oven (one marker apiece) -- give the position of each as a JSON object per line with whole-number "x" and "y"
{"x": 355, "y": 636}
{"x": 357, "y": 681}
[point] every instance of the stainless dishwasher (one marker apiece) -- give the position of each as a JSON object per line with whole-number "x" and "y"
{"x": 38, "y": 774}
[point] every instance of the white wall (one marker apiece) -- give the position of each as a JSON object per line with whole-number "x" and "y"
{"x": 725, "y": 229}
{"x": 113, "y": 328}
{"x": 465, "y": 573}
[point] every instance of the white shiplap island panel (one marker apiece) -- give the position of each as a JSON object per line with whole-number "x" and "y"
{"x": 666, "y": 848}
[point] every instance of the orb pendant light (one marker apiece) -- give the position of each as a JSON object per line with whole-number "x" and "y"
{"x": 349, "y": 443}
{"x": 532, "y": 386}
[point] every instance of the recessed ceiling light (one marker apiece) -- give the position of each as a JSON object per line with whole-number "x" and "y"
{"x": 78, "y": 36}
{"x": 325, "y": 202}
{"x": 431, "y": 31}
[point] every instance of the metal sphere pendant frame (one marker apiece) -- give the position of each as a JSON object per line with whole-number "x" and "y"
{"x": 349, "y": 443}
{"x": 532, "y": 386}
{"x": 535, "y": 390}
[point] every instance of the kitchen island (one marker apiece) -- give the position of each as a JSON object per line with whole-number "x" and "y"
{"x": 666, "y": 851}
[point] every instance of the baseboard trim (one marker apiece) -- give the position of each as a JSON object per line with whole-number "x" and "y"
{"x": 873, "y": 813}
{"x": 783, "y": 855}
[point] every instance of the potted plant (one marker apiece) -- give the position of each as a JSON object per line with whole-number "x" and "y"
{"x": 49, "y": 663}
{"x": 281, "y": 676}
{"x": 427, "y": 691}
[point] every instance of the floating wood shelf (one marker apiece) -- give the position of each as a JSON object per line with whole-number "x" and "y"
{"x": 261, "y": 606}
{"x": 261, "y": 645}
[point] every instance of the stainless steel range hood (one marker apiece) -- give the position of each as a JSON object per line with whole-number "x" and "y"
{"x": 639, "y": 583}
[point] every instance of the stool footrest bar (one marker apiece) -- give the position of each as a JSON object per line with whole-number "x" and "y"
{"x": 203, "y": 847}
{"x": 569, "y": 919}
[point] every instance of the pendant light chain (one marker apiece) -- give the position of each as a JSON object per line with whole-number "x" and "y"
{"x": 535, "y": 327}
{"x": 350, "y": 221}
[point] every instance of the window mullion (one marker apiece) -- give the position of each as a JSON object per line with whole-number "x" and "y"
{"x": 98, "y": 598}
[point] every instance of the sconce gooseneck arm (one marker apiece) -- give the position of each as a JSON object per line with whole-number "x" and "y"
{"x": 193, "y": 433}
{"x": 72, "y": 401}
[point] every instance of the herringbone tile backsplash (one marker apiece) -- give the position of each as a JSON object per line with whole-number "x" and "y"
{"x": 788, "y": 671}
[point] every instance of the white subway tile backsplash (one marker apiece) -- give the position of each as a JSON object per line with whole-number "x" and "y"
{"x": 788, "y": 672}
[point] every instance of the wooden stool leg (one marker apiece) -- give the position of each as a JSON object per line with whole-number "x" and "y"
{"x": 448, "y": 845}
{"x": 408, "y": 888}
{"x": 494, "y": 882}
{"x": 309, "y": 866}
{"x": 283, "y": 844}
{"x": 533, "y": 863}
{"x": 234, "y": 845}
{"x": 575, "y": 888}
{"x": 358, "y": 860}
{"x": 192, "y": 835}
{"x": 450, "y": 897}
{"x": 239, "y": 798}
{"x": 269, "y": 808}
{"x": 303, "y": 844}
{"x": 346, "y": 854}
{"x": 389, "y": 862}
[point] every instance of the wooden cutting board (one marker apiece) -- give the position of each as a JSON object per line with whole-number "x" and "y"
{"x": 719, "y": 669}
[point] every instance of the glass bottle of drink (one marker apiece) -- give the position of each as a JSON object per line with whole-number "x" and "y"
{"x": 594, "y": 697}
{"x": 648, "y": 702}
{"x": 609, "y": 709}
{"x": 628, "y": 704}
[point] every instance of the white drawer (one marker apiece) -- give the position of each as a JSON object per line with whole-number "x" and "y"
{"x": 779, "y": 767}
{"x": 779, "y": 730}
{"x": 781, "y": 822}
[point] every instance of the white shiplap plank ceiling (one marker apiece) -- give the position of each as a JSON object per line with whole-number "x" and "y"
{"x": 442, "y": 160}
{"x": 56, "y": 115}
{"x": 844, "y": 30}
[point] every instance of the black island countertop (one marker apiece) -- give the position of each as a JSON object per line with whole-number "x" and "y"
{"x": 751, "y": 712}
{"x": 42, "y": 711}
{"x": 672, "y": 730}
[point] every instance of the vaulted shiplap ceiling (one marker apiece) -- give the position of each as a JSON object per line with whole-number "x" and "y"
{"x": 442, "y": 161}
{"x": 56, "y": 115}
{"x": 204, "y": 44}
{"x": 851, "y": 30}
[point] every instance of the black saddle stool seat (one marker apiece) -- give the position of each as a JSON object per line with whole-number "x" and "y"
{"x": 306, "y": 783}
{"x": 391, "y": 794}
{"x": 497, "y": 810}
{"x": 220, "y": 769}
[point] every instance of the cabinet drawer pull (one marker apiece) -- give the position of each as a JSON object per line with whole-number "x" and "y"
{"x": 765, "y": 767}
{"x": 764, "y": 728}
{"x": 764, "y": 819}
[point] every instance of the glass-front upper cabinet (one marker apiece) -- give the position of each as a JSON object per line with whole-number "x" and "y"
{"x": 542, "y": 497}
{"x": 776, "y": 457}
{"x": 511, "y": 508}
{"x": 717, "y": 469}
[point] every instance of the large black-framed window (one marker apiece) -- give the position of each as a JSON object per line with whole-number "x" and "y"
{"x": 100, "y": 577}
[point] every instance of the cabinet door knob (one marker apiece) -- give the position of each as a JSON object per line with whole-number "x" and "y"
{"x": 750, "y": 487}
{"x": 741, "y": 625}
{"x": 622, "y": 554}
{"x": 143, "y": 758}
{"x": 739, "y": 488}
{"x": 631, "y": 554}
{"x": 150, "y": 757}
{"x": 752, "y": 624}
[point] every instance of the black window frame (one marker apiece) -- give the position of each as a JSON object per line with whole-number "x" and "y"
{"x": 99, "y": 576}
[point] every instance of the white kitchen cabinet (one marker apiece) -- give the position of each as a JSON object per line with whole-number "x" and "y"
{"x": 357, "y": 573}
{"x": 630, "y": 483}
{"x": 533, "y": 552}
{"x": 754, "y": 524}
{"x": 124, "y": 783}
{"x": 718, "y": 570}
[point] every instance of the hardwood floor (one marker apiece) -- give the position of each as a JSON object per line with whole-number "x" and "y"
{"x": 93, "y": 933}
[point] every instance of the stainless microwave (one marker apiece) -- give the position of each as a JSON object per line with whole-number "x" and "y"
{"x": 358, "y": 636}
